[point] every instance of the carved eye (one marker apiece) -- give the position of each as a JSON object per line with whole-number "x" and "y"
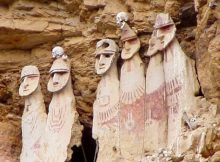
{"x": 107, "y": 55}
{"x": 105, "y": 45}
{"x": 166, "y": 27}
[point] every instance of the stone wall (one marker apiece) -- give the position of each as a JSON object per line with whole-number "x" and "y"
{"x": 30, "y": 28}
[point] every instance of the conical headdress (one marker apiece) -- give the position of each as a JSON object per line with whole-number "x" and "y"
{"x": 163, "y": 20}
{"x": 106, "y": 46}
{"x": 59, "y": 65}
{"x": 29, "y": 70}
{"x": 127, "y": 33}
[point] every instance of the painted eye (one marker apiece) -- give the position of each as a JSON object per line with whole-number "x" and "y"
{"x": 31, "y": 78}
{"x": 62, "y": 73}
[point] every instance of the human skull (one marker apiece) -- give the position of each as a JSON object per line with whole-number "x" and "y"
{"x": 193, "y": 119}
{"x": 121, "y": 18}
{"x": 57, "y": 52}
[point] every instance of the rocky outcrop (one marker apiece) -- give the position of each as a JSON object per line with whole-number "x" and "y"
{"x": 208, "y": 49}
{"x": 10, "y": 135}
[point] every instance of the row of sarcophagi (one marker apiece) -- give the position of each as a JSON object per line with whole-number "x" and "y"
{"x": 135, "y": 114}
{"x": 49, "y": 137}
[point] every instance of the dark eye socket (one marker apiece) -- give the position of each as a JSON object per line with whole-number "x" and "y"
{"x": 60, "y": 73}
{"x": 98, "y": 56}
{"x": 166, "y": 28}
{"x": 107, "y": 55}
{"x": 105, "y": 45}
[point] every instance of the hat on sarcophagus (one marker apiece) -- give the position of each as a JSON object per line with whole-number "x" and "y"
{"x": 106, "y": 46}
{"x": 127, "y": 33}
{"x": 163, "y": 20}
{"x": 29, "y": 70}
{"x": 131, "y": 42}
{"x": 59, "y": 65}
{"x": 165, "y": 29}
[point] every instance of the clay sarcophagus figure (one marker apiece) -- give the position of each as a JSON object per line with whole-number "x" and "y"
{"x": 62, "y": 110}
{"x": 132, "y": 90}
{"x": 181, "y": 83}
{"x": 34, "y": 116}
{"x": 155, "y": 136}
{"x": 106, "y": 106}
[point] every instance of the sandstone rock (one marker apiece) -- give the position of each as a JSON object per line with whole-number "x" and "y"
{"x": 216, "y": 157}
{"x": 207, "y": 52}
{"x": 10, "y": 142}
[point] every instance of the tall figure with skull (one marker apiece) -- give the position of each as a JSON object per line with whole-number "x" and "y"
{"x": 181, "y": 83}
{"x": 62, "y": 110}
{"x": 34, "y": 116}
{"x": 132, "y": 91}
{"x": 106, "y": 105}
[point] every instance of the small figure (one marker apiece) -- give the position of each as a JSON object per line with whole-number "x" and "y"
{"x": 62, "y": 110}
{"x": 34, "y": 115}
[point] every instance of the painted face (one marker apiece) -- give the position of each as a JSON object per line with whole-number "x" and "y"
{"x": 166, "y": 34}
{"x": 106, "y": 53}
{"x": 103, "y": 62}
{"x": 130, "y": 48}
{"x": 155, "y": 45}
{"x": 30, "y": 77}
{"x": 162, "y": 32}
{"x": 165, "y": 29}
{"x": 58, "y": 80}
{"x": 131, "y": 43}
{"x": 59, "y": 75}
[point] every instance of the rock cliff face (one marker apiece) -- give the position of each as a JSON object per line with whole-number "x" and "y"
{"x": 30, "y": 28}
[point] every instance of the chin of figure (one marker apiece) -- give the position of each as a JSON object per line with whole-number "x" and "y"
{"x": 131, "y": 47}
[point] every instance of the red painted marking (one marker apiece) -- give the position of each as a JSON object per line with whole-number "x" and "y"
{"x": 155, "y": 104}
{"x": 137, "y": 110}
